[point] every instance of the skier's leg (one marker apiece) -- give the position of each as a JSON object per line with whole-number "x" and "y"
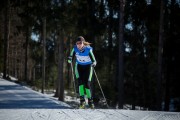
{"x": 89, "y": 95}
{"x": 81, "y": 92}
{"x": 88, "y": 86}
{"x": 81, "y": 86}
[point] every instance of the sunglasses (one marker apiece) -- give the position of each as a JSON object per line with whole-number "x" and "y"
{"x": 78, "y": 43}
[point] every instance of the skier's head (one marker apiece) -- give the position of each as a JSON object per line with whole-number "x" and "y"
{"x": 80, "y": 41}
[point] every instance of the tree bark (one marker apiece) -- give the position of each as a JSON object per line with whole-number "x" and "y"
{"x": 44, "y": 55}
{"x": 110, "y": 25}
{"x": 121, "y": 55}
{"x": 168, "y": 53}
{"x": 160, "y": 53}
{"x": 6, "y": 37}
{"x": 60, "y": 68}
{"x": 44, "y": 47}
{"x": 26, "y": 55}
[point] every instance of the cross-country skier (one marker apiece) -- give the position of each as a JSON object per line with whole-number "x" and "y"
{"x": 85, "y": 60}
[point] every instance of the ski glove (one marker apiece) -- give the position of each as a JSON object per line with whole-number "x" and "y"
{"x": 69, "y": 59}
{"x": 93, "y": 64}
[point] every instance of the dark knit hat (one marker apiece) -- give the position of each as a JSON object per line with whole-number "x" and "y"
{"x": 80, "y": 38}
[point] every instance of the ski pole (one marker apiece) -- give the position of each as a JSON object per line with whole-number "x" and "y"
{"x": 73, "y": 79}
{"x": 101, "y": 88}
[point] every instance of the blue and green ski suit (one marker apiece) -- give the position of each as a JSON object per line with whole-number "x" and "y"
{"x": 83, "y": 70}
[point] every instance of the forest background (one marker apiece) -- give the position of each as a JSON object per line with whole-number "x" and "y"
{"x": 135, "y": 42}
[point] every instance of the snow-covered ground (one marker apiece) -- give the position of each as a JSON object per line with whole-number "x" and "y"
{"x": 15, "y": 96}
{"x": 10, "y": 77}
{"x": 21, "y": 103}
{"x": 79, "y": 114}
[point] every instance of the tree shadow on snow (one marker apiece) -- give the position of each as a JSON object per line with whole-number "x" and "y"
{"x": 15, "y": 96}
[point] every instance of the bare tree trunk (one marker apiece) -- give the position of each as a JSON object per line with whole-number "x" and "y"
{"x": 168, "y": 58}
{"x": 121, "y": 55}
{"x": 44, "y": 55}
{"x": 26, "y": 54}
{"x": 110, "y": 23}
{"x": 44, "y": 48}
{"x": 1, "y": 37}
{"x": 160, "y": 53}
{"x": 6, "y": 36}
{"x": 68, "y": 65}
{"x": 60, "y": 67}
{"x": 57, "y": 83}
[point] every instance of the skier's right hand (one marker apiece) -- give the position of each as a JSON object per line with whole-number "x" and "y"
{"x": 93, "y": 64}
{"x": 69, "y": 59}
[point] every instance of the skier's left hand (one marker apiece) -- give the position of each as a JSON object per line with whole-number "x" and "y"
{"x": 93, "y": 64}
{"x": 69, "y": 59}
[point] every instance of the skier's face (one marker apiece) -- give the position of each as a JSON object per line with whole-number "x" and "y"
{"x": 79, "y": 44}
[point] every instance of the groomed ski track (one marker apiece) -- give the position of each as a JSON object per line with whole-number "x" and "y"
{"x": 21, "y": 103}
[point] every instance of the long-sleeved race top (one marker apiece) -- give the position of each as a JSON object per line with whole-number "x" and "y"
{"x": 84, "y": 56}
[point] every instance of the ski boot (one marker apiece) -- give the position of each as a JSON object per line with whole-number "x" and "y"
{"x": 82, "y": 105}
{"x": 91, "y": 104}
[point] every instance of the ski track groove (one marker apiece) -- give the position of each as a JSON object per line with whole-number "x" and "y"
{"x": 121, "y": 114}
{"x": 135, "y": 115}
{"x": 82, "y": 115}
{"x": 63, "y": 116}
{"x": 67, "y": 114}
{"x": 32, "y": 117}
{"x": 75, "y": 112}
{"x": 106, "y": 114}
{"x": 49, "y": 115}
{"x": 115, "y": 116}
